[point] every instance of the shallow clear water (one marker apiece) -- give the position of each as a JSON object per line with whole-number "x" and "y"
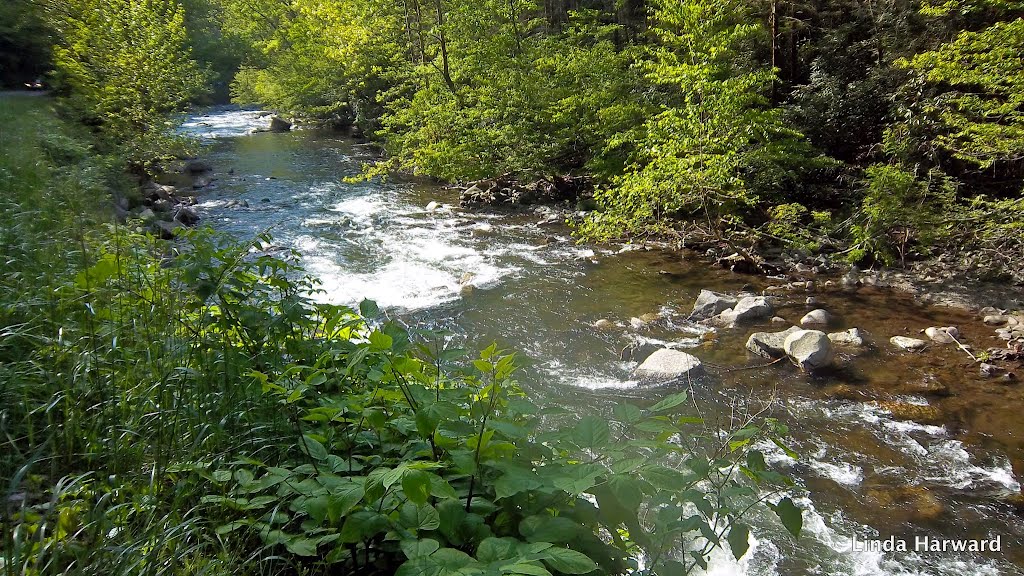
{"x": 507, "y": 278}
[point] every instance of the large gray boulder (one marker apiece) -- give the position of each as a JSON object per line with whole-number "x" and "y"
{"x": 709, "y": 304}
{"x": 810, "y": 349}
{"x": 666, "y": 365}
{"x": 748, "y": 309}
{"x": 770, "y": 344}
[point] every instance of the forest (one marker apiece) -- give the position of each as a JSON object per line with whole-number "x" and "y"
{"x": 873, "y": 131}
{"x": 191, "y": 409}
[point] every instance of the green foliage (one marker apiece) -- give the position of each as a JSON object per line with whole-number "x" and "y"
{"x": 978, "y": 114}
{"x": 898, "y": 212}
{"x": 505, "y": 98}
{"x": 126, "y": 64}
{"x": 688, "y": 158}
{"x": 796, "y": 225}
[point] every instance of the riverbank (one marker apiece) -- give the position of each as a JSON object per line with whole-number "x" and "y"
{"x": 170, "y": 411}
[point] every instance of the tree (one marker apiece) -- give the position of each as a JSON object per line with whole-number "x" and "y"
{"x": 126, "y": 64}
{"x": 689, "y": 157}
{"x": 977, "y": 108}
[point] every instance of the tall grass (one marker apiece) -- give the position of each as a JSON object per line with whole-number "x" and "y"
{"x": 109, "y": 376}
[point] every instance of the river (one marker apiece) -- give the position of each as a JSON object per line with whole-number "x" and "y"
{"x": 521, "y": 281}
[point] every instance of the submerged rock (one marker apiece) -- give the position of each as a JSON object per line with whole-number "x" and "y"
{"x": 916, "y": 501}
{"x": 770, "y": 344}
{"x": 852, "y": 338}
{"x": 928, "y": 386}
{"x": 909, "y": 344}
{"x": 816, "y": 317}
{"x": 709, "y": 304}
{"x": 988, "y": 370}
{"x": 920, "y": 413}
{"x": 666, "y": 365}
{"x": 811, "y": 349}
{"x": 604, "y": 324}
{"x": 432, "y": 206}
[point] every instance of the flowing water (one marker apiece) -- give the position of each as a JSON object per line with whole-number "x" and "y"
{"x": 522, "y": 282}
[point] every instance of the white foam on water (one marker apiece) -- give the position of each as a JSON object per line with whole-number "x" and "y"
{"x": 225, "y": 124}
{"x": 684, "y": 343}
{"x": 842, "y": 473}
{"x": 958, "y": 471}
{"x": 418, "y": 262}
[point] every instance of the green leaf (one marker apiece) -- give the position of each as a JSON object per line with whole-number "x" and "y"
{"x": 361, "y": 525}
{"x": 302, "y": 546}
{"x": 669, "y": 402}
{"x": 738, "y": 539}
{"x": 515, "y": 481}
{"x": 791, "y": 516}
{"x": 591, "y": 432}
{"x": 496, "y": 549}
{"x": 419, "y": 548}
{"x": 569, "y": 561}
{"x": 380, "y": 341}
{"x": 313, "y": 447}
{"x": 627, "y": 413}
{"x": 424, "y": 517}
{"x": 544, "y": 528}
{"x": 316, "y": 507}
{"x": 416, "y": 486}
{"x": 526, "y": 569}
{"x": 369, "y": 309}
{"x": 342, "y": 499}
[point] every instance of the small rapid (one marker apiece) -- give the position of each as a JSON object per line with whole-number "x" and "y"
{"x": 519, "y": 279}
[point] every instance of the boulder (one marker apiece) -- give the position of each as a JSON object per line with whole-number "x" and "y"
{"x": 909, "y": 344}
{"x": 278, "y": 124}
{"x": 770, "y": 344}
{"x": 666, "y": 365}
{"x": 816, "y": 318}
{"x": 431, "y": 207}
{"x": 147, "y": 215}
{"x": 168, "y": 230}
{"x": 995, "y": 320}
{"x": 811, "y": 349}
{"x": 752, "y": 308}
{"x": 186, "y": 215}
{"x": 709, "y": 304}
{"x": 604, "y": 324}
{"x": 852, "y": 338}
{"x": 942, "y": 335}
